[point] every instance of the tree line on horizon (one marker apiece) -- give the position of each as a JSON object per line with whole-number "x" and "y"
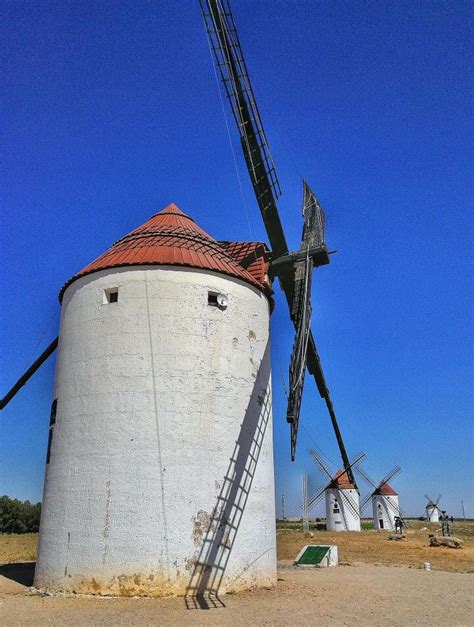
{"x": 19, "y": 516}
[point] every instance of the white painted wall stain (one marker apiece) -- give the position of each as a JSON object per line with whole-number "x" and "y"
{"x": 152, "y": 394}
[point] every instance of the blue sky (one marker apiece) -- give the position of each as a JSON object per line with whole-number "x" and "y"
{"x": 111, "y": 111}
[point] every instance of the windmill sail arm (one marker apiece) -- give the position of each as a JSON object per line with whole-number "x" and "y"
{"x": 369, "y": 481}
{"x": 402, "y": 514}
{"x": 397, "y": 511}
{"x": 391, "y": 475}
{"x": 301, "y": 314}
{"x": 315, "y": 457}
{"x": 230, "y": 61}
{"x": 314, "y": 500}
{"x": 313, "y": 363}
{"x": 392, "y": 507}
{"x": 351, "y": 504}
{"x": 315, "y": 368}
{"x": 314, "y": 218}
{"x": 29, "y": 373}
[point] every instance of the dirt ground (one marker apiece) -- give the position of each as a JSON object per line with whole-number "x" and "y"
{"x": 359, "y": 593}
{"x": 346, "y": 595}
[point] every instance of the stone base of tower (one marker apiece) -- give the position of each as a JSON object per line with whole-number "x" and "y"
{"x": 156, "y": 584}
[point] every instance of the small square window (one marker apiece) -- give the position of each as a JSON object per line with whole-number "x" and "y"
{"x": 111, "y": 295}
{"x": 212, "y": 298}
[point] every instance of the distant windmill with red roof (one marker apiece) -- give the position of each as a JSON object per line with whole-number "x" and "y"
{"x": 385, "y": 502}
{"x": 342, "y": 497}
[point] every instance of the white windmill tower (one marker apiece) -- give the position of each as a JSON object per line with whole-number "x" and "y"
{"x": 342, "y": 498}
{"x": 385, "y": 502}
{"x": 163, "y": 376}
{"x": 431, "y": 509}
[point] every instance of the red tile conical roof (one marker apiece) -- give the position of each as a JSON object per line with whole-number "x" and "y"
{"x": 386, "y": 490}
{"x": 341, "y": 481}
{"x": 170, "y": 237}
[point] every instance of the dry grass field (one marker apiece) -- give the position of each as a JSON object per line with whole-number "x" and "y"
{"x": 18, "y": 548}
{"x": 373, "y": 547}
{"x": 369, "y": 547}
{"x": 382, "y": 580}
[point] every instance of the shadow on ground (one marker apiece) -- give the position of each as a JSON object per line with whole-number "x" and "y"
{"x": 21, "y": 572}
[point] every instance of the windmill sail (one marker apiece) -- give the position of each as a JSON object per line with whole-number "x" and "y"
{"x": 302, "y": 312}
{"x": 225, "y": 45}
{"x": 351, "y": 505}
{"x": 317, "y": 496}
{"x": 313, "y": 229}
{"x": 393, "y": 474}
{"x": 26, "y": 376}
{"x": 314, "y": 218}
{"x": 396, "y": 511}
{"x": 368, "y": 480}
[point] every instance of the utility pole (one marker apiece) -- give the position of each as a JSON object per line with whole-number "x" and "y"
{"x": 304, "y": 490}
{"x": 283, "y": 506}
{"x": 463, "y": 512}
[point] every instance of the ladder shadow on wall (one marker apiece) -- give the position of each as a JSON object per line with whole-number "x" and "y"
{"x": 210, "y": 567}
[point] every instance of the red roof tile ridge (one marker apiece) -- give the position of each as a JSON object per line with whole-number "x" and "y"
{"x": 157, "y": 241}
{"x": 172, "y": 210}
{"x": 341, "y": 480}
{"x": 169, "y": 232}
{"x": 386, "y": 489}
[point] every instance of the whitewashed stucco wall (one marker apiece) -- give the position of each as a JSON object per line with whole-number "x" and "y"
{"x": 164, "y": 403}
{"x": 385, "y": 508}
{"x": 432, "y": 513}
{"x": 345, "y": 519}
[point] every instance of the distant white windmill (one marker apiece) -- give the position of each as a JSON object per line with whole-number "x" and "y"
{"x": 432, "y": 510}
{"x": 342, "y": 498}
{"x": 385, "y": 503}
